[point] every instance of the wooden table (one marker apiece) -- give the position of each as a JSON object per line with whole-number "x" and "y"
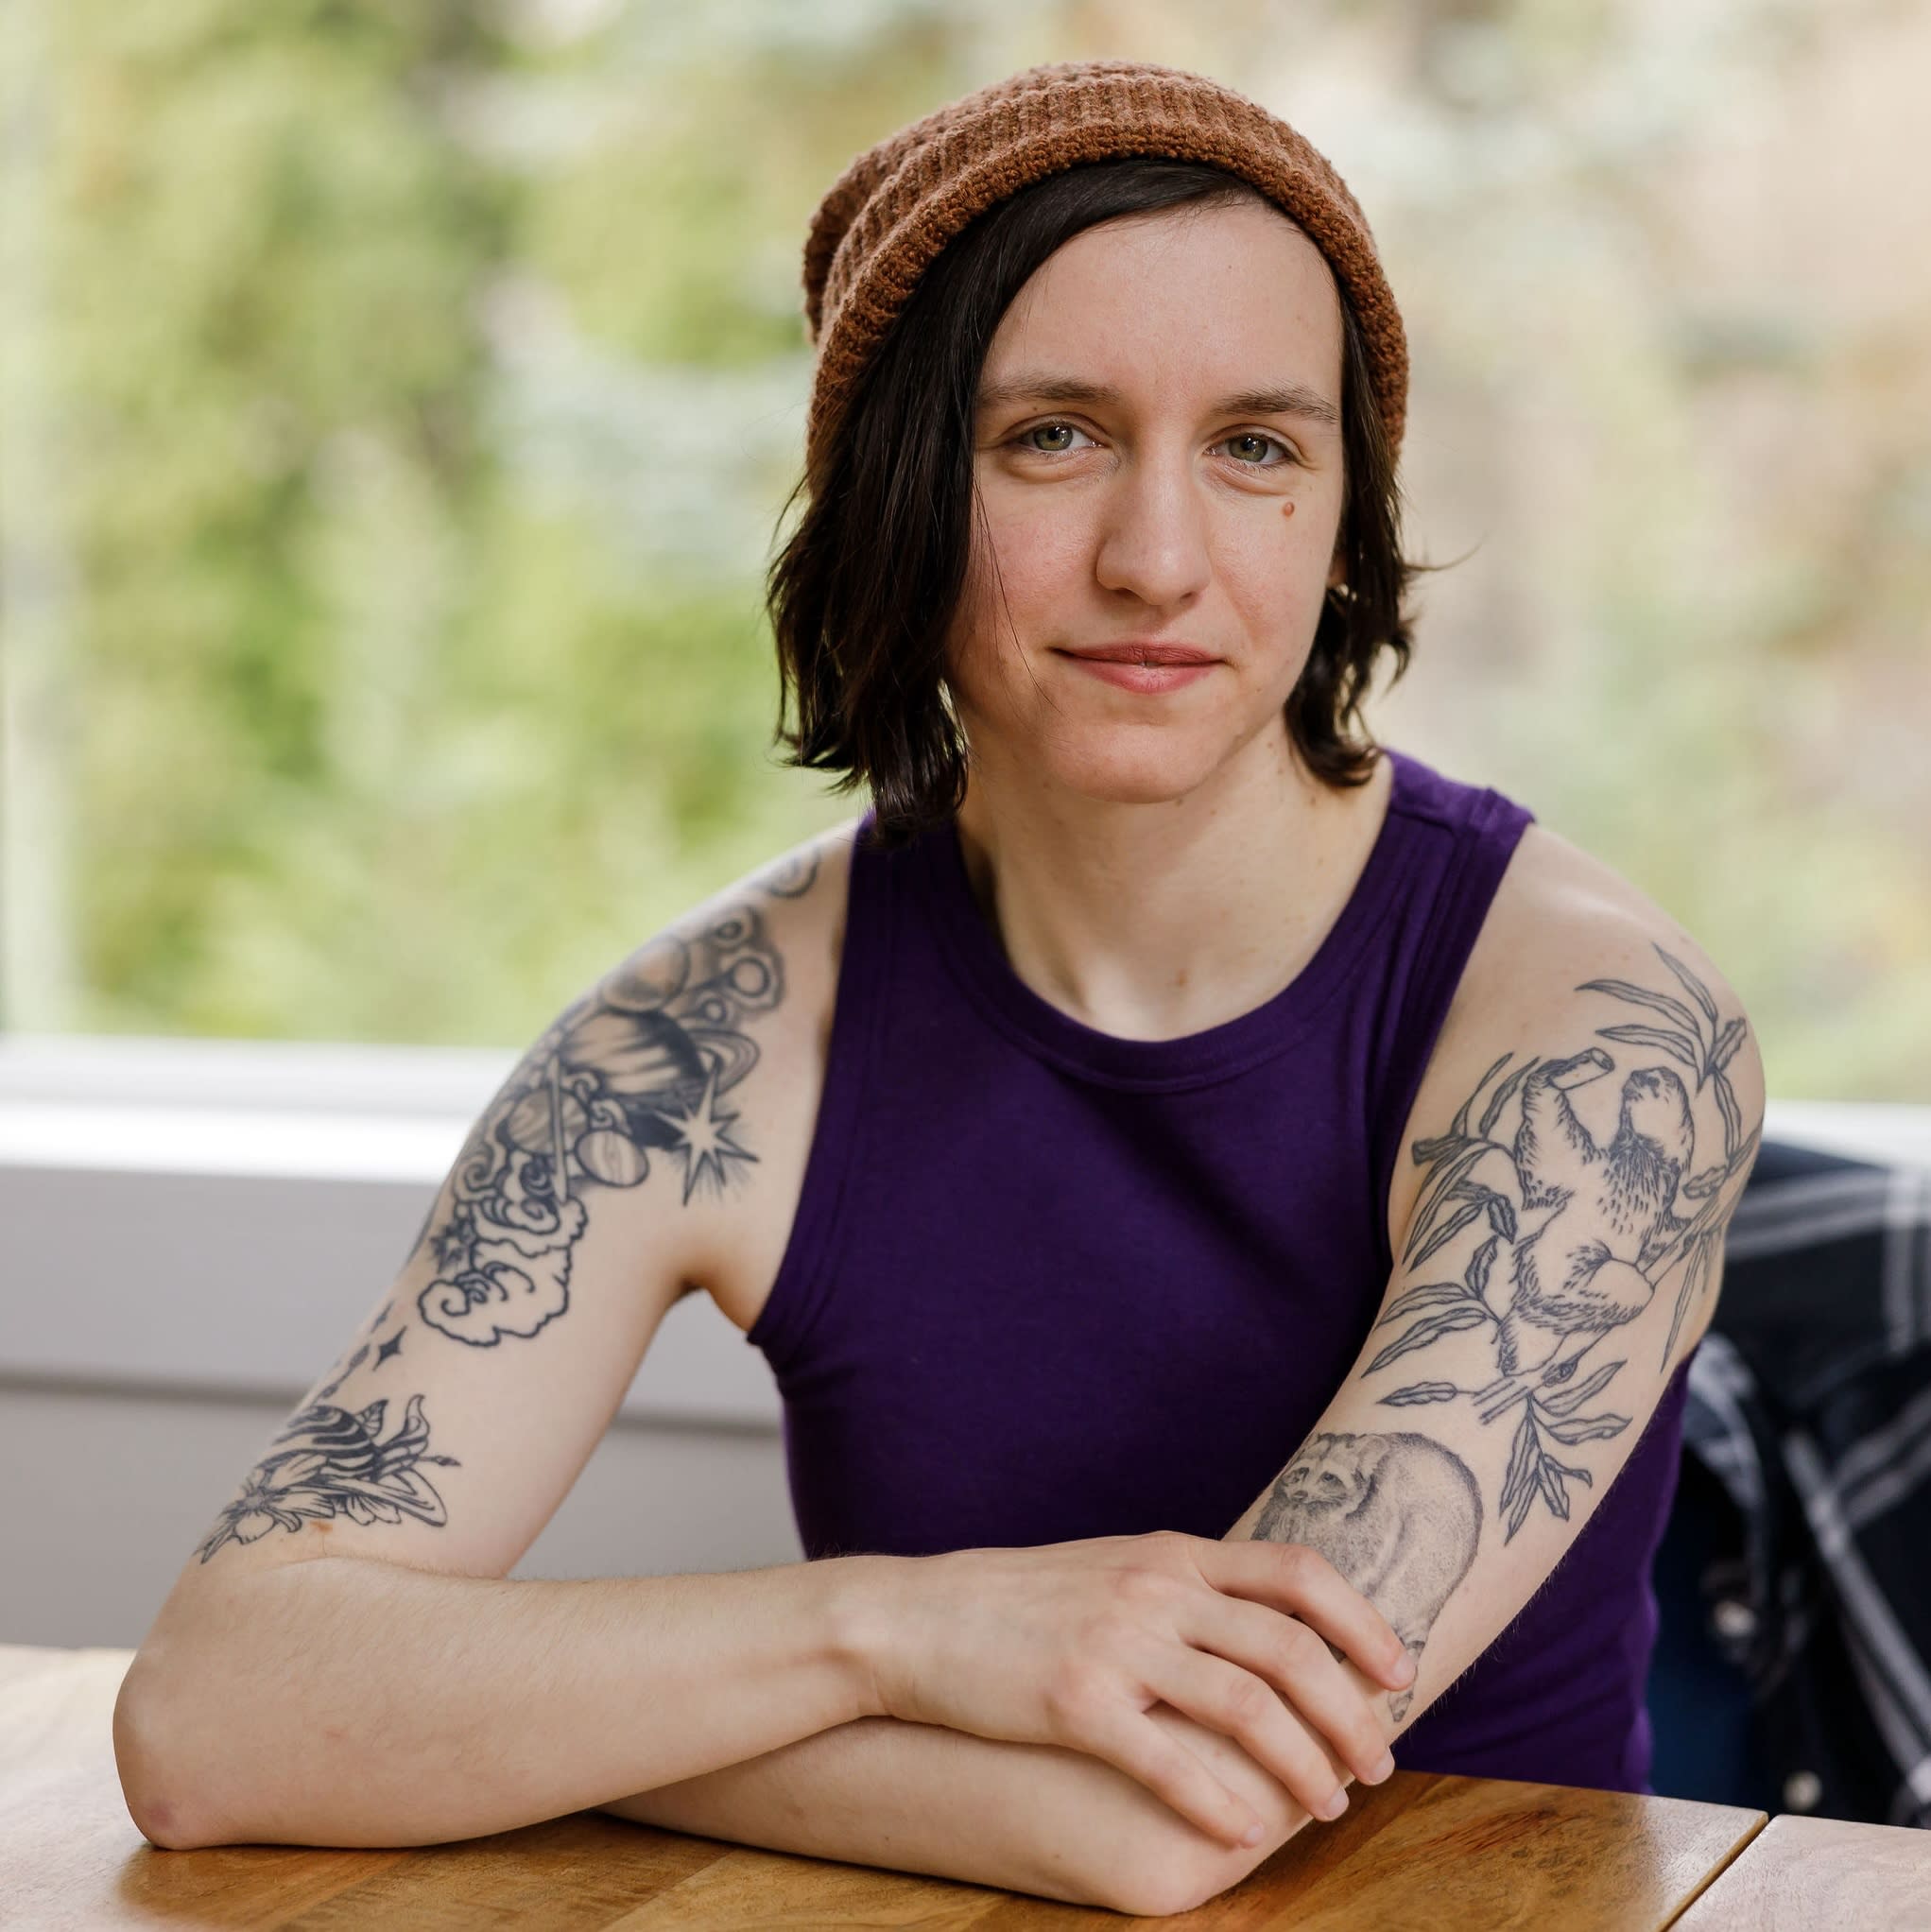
{"x": 1418, "y": 1852}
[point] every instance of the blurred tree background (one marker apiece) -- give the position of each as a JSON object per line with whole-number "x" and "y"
{"x": 397, "y": 403}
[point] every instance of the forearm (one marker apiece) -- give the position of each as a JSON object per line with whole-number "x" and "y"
{"x": 907, "y": 1798}
{"x": 348, "y": 1701}
{"x": 927, "y": 1798}
{"x": 1026, "y": 1818}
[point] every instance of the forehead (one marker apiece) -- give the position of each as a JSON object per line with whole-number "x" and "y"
{"x": 1231, "y": 307}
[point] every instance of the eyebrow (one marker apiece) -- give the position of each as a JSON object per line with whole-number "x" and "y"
{"x": 1043, "y": 386}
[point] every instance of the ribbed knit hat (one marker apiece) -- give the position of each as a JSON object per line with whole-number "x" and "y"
{"x": 891, "y": 211}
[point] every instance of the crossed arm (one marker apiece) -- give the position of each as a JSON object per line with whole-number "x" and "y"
{"x": 1563, "y": 1254}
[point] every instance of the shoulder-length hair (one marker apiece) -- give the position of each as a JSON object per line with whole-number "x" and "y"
{"x": 863, "y": 594}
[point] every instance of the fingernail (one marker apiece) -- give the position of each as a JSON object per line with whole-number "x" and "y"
{"x": 1405, "y": 1669}
{"x": 1383, "y": 1770}
{"x": 1254, "y": 1836}
{"x": 1335, "y": 1806}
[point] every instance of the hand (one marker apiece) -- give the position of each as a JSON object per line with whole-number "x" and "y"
{"x": 1073, "y": 1643}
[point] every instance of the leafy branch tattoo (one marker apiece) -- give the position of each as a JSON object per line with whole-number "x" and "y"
{"x": 1616, "y": 1218}
{"x": 1594, "y": 1230}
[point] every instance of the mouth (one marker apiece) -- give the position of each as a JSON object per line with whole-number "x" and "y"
{"x": 1146, "y": 654}
{"x": 1151, "y": 670}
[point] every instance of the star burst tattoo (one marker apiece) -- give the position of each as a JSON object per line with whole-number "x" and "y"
{"x": 640, "y": 1066}
{"x": 704, "y": 1138}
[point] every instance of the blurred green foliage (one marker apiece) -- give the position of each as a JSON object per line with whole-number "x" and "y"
{"x": 425, "y": 382}
{"x": 384, "y": 738}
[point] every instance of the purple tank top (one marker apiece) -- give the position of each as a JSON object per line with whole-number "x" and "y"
{"x": 1045, "y": 1282}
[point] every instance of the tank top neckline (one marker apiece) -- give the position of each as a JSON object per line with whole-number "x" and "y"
{"x": 978, "y": 963}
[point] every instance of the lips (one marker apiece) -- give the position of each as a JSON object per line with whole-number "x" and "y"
{"x": 1148, "y": 653}
{"x": 1136, "y": 674}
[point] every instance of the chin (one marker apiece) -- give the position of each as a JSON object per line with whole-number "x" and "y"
{"x": 1134, "y": 768}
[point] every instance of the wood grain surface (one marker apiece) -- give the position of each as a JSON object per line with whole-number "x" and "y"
{"x": 1420, "y": 1851}
{"x": 1802, "y": 1872}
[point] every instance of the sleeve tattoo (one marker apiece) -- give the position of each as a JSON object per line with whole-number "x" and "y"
{"x": 1587, "y": 1233}
{"x": 630, "y": 1080}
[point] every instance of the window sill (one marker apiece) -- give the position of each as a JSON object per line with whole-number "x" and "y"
{"x": 217, "y": 1215}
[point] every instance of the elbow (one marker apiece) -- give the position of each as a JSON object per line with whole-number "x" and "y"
{"x": 1155, "y": 1897}
{"x": 1161, "y": 1888}
{"x": 159, "y": 1788}
{"x": 1186, "y": 1880}
{"x": 1167, "y": 1865}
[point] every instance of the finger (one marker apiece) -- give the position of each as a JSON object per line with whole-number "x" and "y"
{"x": 1292, "y": 1577}
{"x": 1247, "y": 1708}
{"x": 1295, "y": 1660}
{"x": 1127, "y": 1737}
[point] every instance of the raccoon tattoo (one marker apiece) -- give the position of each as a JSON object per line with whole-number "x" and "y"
{"x": 1398, "y": 1515}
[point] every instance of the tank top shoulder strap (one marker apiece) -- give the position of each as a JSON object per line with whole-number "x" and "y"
{"x": 865, "y": 967}
{"x": 1469, "y": 834}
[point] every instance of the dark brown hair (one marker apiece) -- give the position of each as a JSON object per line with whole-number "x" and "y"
{"x": 863, "y": 594}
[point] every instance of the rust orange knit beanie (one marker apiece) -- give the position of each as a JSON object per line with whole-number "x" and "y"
{"x": 898, "y": 204}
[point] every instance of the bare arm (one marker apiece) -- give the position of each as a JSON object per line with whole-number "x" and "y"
{"x": 1553, "y": 1274}
{"x": 404, "y": 1690}
{"x": 910, "y": 1796}
{"x": 923, "y": 1798}
{"x": 393, "y": 1706}
{"x": 353, "y": 1701}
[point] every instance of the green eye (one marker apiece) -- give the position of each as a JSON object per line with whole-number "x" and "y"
{"x": 1025, "y": 436}
{"x": 1024, "y": 442}
{"x": 1254, "y": 436}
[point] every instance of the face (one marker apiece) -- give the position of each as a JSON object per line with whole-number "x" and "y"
{"x": 1157, "y": 459}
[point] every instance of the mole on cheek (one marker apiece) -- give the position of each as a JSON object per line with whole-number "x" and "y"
{"x": 1288, "y": 509}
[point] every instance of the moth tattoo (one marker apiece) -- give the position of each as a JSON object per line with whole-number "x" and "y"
{"x": 330, "y": 1462}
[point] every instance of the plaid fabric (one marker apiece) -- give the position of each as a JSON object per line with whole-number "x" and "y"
{"x": 1810, "y": 1403}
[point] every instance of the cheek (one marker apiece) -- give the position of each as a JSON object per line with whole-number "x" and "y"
{"x": 977, "y": 641}
{"x": 1280, "y": 551}
{"x": 1044, "y": 554}
{"x": 1020, "y": 607}
{"x": 1274, "y": 575}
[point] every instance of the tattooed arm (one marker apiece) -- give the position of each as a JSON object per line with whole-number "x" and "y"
{"x": 1582, "y": 1144}
{"x": 414, "y": 1694}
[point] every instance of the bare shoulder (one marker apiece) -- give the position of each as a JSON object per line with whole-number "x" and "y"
{"x": 741, "y": 993}
{"x": 1556, "y": 903}
{"x": 1579, "y": 977}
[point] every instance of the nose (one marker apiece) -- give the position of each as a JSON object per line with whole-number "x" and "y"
{"x": 1153, "y": 539}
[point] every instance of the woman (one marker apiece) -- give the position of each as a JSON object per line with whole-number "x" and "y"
{"x": 1043, "y": 1126}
